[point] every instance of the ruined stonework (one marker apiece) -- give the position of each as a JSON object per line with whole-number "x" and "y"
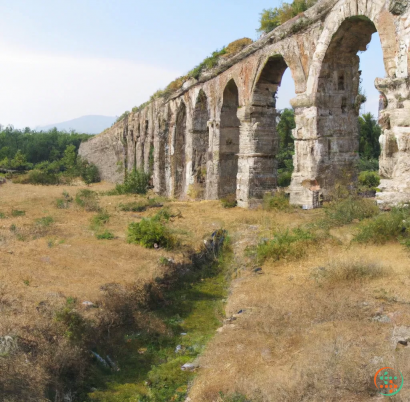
{"x": 217, "y": 135}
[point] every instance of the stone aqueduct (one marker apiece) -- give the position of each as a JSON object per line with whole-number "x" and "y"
{"x": 218, "y": 133}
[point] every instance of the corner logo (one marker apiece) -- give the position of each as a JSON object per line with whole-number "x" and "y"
{"x": 388, "y": 381}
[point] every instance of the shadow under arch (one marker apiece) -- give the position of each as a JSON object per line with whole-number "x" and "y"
{"x": 178, "y": 162}
{"x": 229, "y": 141}
{"x": 200, "y": 142}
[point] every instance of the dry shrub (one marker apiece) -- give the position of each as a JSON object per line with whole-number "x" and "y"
{"x": 350, "y": 270}
{"x": 196, "y": 191}
{"x": 236, "y": 46}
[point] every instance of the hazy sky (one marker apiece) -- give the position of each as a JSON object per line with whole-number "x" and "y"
{"x": 64, "y": 59}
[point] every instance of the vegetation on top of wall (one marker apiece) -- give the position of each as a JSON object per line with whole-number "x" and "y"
{"x": 207, "y": 64}
{"x": 123, "y": 116}
{"x": 271, "y": 18}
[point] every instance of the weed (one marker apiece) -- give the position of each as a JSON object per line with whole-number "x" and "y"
{"x": 135, "y": 182}
{"x": 344, "y": 211}
{"x": 100, "y": 219}
{"x": 285, "y": 244}
{"x": 133, "y": 206}
{"x": 50, "y": 243}
{"x": 196, "y": 191}
{"x": 45, "y": 221}
{"x": 345, "y": 270}
{"x": 26, "y": 282}
{"x": 106, "y": 235}
{"x": 2, "y": 215}
{"x": 16, "y": 212}
{"x": 369, "y": 179}
{"x": 394, "y": 225}
{"x": 229, "y": 201}
{"x": 73, "y": 323}
{"x": 279, "y": 201}
{"x": 236, "y": 397}
{"x": 88, "y": 200}
{"x": 13, "y": 227}
{"x": 64, "y": 203}
{"x": 152, "y": 232}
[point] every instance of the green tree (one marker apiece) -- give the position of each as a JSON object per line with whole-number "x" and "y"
{"x": 369, "y": 133}
{"x": 70, "y": 157}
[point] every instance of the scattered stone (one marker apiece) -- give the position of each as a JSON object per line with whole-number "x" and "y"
{"x": 400, "y": 337}
{"x": 7, "y": 344}
{"x": 257, "y": 270}
{"x": 178, "y": 349}
{"x": 190, "y": 366}
{"x": 381, "y": 318}
{"x": 88, "y": 304}
{"x": 156, "y": 245}
{"x": 183, "y": 334}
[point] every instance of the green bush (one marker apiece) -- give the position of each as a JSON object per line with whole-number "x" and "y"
{"x": 285, "y": 244}
{"x": 106, "y": 235}
{"x": 278, "y": 201}
{"x": 344, "y": 211}
{"x": 64, "y": 203}
{"x": 100, "y": 219}
{"x": 394, "y": 225}
{"x": 135, "y": 182}
{"x": 369, "y": 179}
{"x": 87, "y": 171}
{"x": 45, "y": 221}
{"x": 371, "y": 165}
{"x": 41, "y": 177}
{"x": 284, "y": 179}
{"x": 133, "y": 206}
{"x": 16, "y": 212}
{"x": 88, "y": 200}
{"x": 151, "y": 231}
{"x": 229, "y": 201}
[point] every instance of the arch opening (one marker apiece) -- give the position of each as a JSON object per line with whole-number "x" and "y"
{"x": 229, "y": 141}
{"x": 273, "y": 140}
{"x": 200, "y": 143}
{"x": 339, "y": 100}
{"x": 179, "y": 151}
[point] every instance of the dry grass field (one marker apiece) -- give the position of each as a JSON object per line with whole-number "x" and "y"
{"x": 313, "y": 326}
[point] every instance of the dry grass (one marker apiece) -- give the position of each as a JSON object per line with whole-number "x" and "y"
{"x": 307, "y": 338}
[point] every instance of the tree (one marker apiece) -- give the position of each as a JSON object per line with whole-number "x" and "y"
{"x": 369, "y": 133}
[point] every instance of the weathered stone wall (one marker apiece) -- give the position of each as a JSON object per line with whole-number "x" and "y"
{"x": 217, "y": 135}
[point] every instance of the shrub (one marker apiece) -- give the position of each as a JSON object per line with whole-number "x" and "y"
{"x": 133, "y": 206}
{"x": 88, "y": 171}
{"x": 37, "y": 176}
{"x": 371, "y": 165}
{"x": 284, "y": 179}
{"x": 88, "y": 200}
{"x": 106, "y": 235}
{"x": 285, "y": 244}
{"x": 229, "y": 201}
{"x": 236, "y": 46}
{"x": 278, "y": 201}
{"x": 45, "y": 221}
{"x": 196, "y": 191}
{"x": 64, "y": 203}
{"x": 387, "y": 226}
{"x": 344, "y": 211}
{"x": 369, "y": 179}
{"x": 101, "y": 218}
{"x": 16, "y": 212}
{"x": 2, "y": 215}
{"x": 151, "y": 231}
{"x": 344, "y": 270}
{"x": 135, "y": 182}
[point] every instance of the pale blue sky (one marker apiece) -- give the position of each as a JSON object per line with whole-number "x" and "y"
{"x": 60, "y": 60}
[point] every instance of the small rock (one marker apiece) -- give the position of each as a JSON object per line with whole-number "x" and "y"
{"x": 382, "y": 318}
{"x": 156, "y": 245}
{"x": 88, "y": 304}
{"x": 10, "y": 252}
{"x": 178, "y": 348}
{"x": 190, "y": 366}
{"x": 183, "y": 334}
{"x": 258, "y": 269}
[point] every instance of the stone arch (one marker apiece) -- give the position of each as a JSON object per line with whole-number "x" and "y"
{"x": 338, "y": 101}
{"x": 200, "y": 141}
{"x": 179, "y": 165}
{"x": 229, "y": 140}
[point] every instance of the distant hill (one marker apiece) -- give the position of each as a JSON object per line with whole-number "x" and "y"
{"x": 92, "y": 124}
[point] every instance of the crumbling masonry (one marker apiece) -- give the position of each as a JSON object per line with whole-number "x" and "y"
{"x": 217, "y": 135}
